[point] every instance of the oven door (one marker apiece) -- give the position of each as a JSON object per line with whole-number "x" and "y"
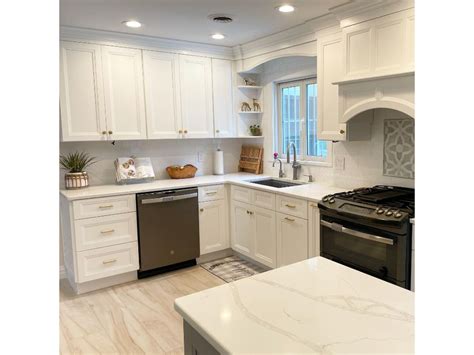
{"x": 378, "y": 253}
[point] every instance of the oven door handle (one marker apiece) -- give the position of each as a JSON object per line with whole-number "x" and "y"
{"x": 339, "y": 228}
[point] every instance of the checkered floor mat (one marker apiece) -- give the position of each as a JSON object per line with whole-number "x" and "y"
{"x": 232, "y": 268}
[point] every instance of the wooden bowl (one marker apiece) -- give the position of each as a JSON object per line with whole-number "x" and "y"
{"x": 181, "y": 172}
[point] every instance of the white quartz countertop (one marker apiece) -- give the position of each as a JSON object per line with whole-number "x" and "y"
{"x": 311, "y": 191}
{"x": 314, "y": 306}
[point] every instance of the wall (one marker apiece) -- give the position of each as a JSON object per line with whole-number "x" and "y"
{"x": 162, "y": 153}
{"x": 363, "y": 159}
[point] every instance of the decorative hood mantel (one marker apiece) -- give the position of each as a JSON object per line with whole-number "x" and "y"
{"x": 396, "y": 92}
{"x": 378, "y": 64}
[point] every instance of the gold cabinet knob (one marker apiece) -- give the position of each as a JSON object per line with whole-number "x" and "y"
{"x": 104, "y": 132}
{"x": 201, "y": 209}
{"x": 110, "y": 132}
{"x": 217, "y": 131}
{"x": 185, "y": 131}
{"x": 180, "y": 131}
{"x": 342, "y": 131}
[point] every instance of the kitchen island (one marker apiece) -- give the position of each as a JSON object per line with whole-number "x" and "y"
{"x": 314, "y": 306}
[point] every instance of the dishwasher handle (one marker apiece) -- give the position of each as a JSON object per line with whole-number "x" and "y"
{"x": 148, "y": 201}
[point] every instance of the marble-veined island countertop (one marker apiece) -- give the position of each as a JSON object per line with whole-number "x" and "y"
{"x": 314, "y": 306}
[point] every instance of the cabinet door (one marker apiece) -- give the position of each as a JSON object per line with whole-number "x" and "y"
{"x": 163, "y": 108}
{"x": 265, "y": 236}
{"x": 213, "y": 228}
{"x": 196, "y": 96}
{"x": 313, "y": 230}
{"x": 224, "y": 123}
{"x": 81, "y": 92}
{"x": 243, "y": 228}
{"x": 329, "y": 70}
{"x": 124, "y": 94}
{"x": 292, "y": 239}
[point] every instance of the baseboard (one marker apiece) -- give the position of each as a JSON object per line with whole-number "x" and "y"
{"x": 62, "y": 272}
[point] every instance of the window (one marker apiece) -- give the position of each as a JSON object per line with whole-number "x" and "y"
{"x": 297, "y": 121}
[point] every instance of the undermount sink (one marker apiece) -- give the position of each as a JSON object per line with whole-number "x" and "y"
{"x": 276, "y": 183}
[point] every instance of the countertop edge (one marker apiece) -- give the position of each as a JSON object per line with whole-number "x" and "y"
{"x": 232, "y": 179}
{"x": 205, "y": 334}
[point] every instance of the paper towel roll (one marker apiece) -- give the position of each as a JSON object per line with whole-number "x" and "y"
{"x": 218, "y": 162}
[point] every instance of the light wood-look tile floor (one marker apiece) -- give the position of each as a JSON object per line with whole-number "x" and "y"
{"x": 134, "y": 318}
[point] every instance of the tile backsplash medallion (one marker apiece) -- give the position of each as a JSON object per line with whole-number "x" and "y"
{"x": 399, "y": 148}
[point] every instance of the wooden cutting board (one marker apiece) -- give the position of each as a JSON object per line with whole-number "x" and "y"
{"x": 251, "y": 159}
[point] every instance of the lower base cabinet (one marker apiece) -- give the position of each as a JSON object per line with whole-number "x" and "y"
{"x": 292, "y": 239}
{"x": 253, "y": 232}
{"x": 213, "y": 231}
{"x": 314, "y": 248}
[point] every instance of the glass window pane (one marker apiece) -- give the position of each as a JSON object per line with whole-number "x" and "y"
{"x": 290, "y": 115}
{"x": 315, "y": 148}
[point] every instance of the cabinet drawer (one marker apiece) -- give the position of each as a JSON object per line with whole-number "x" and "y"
{"x": 91, "y": 233}
{"x": 241, "y": 194}
{"x": 104, "y": 262}
{"x": 211, "y": 193}
{"x": 264, "y": 199}
{"x": 292, "y": 206}
{"x": 96, "y": 207}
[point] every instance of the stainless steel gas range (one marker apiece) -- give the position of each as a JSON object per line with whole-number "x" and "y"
{"x": 369, "y": 229}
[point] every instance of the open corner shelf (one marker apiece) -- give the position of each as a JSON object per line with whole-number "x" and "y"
{"x": 249, "y": 112}
{"x": 253, "y": 137}
{"x": 250, "y": 87}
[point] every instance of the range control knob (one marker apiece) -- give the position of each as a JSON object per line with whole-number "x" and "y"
{"x": 389, "y": 213}
{"x": 380, "y": 210}
{"x": 397, "y": 215}
{"x": 332, "y": 200}
{"x": 326, "y": 198}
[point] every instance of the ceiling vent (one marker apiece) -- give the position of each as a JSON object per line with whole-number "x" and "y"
{"x": 220, "y": 18}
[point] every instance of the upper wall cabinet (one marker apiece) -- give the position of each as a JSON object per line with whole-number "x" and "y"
{"x": 224, "y": 124}
{"x": 102, "y": 96}
{"x": 124, "y": 94}
{"x": 196, "y": 96}
{"x": 81, "y": 93}
{"x": 329, "y": 68}
{"x": 163, "y": 107}
{"x": 383, "y": 46}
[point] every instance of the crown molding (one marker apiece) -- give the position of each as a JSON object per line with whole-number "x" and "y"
{"x": 354, "y": 11}
{"x": 294, "y": 36}
{"x": 144, "y": 42}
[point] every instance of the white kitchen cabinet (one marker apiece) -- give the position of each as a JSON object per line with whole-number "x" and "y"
{"x": 264, "y": 250}
{"x": 81, "y": 92}
{"x": 329, "y": 68}
{"x": 292, "y": 239}
{"x": 382, "y": 46}
{"x": 196, "y": 96}
{"x": 224, "y": 123}
{"x": 213, "y": 226}
{"x": 314, "y": 246}
{"x": 163, "y": 106}
{"x": 243, "y": 229}
{"x": 99, "y": 241}
{"x": 124, "y": 93}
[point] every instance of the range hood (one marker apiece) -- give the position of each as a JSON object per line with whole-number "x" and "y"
{"x": 396, "y": 92}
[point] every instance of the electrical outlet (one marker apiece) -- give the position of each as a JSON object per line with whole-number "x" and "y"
{"x": 200, "y": 157}
{"x": 340, "y": 163}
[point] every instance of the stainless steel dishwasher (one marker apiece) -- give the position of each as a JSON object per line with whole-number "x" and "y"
{"x": 168, "y": 230}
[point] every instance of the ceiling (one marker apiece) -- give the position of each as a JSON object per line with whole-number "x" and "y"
{"x": 187, "y": 19}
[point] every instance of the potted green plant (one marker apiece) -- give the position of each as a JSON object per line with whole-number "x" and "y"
{"x": 255, "y": 130}
{"x": 76, "y": 163}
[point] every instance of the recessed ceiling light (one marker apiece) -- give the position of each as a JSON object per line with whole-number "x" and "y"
{"x": 132, "y": 24}
{"x": 286, "y": 8}
{"x": 218, "y": 36}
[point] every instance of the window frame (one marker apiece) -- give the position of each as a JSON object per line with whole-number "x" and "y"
{"x": 303, "y": 157}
